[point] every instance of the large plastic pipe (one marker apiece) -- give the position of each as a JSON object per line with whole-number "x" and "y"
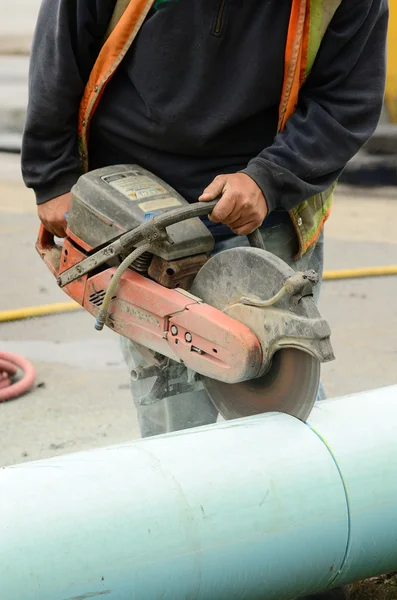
{"x": 264, "y": 507}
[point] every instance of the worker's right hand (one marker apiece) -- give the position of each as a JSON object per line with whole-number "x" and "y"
{"x": 53, "y": 214}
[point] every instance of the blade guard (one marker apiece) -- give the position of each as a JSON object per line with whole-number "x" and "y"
{"x": 293, "y": 321}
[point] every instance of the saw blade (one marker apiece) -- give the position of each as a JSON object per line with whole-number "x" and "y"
{"x": 290, "y": 386}
{"x": 291, "y": 381}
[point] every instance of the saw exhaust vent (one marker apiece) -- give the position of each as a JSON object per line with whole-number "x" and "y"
{"x": 97, "y": 297}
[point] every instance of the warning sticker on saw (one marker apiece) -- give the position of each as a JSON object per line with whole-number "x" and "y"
{"x": 134, "y": 185}
{"x": 159, "y": 204}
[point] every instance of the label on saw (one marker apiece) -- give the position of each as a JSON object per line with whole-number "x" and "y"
{"x": 136, "y": 186}
{"x": 154, "y": 205}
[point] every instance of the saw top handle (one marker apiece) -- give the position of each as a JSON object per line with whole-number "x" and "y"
{"x": 51, "y": 252}
{"x": 256, "y": 240}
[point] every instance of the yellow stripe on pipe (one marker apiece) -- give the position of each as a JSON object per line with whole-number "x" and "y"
{"x": 64, "y": 307}
{"x": 37, "y": 311}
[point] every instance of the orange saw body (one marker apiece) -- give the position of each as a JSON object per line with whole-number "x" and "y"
{"x": 138, "y": 258}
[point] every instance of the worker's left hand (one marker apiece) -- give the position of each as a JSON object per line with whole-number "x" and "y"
{"x": 242, "y": 205}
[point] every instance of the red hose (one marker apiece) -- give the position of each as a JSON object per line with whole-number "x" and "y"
{"x": 9, "y": 365}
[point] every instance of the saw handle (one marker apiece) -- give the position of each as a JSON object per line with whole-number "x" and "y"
{"x": 256, "y": 240}
{"x": 49, "y": 251}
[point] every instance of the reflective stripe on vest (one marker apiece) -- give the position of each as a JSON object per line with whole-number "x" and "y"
{"x": 112, "y": 53}
{"x": 309, "y": 21}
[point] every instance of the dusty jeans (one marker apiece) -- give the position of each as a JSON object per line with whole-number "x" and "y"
{"x": 194, "y": 408}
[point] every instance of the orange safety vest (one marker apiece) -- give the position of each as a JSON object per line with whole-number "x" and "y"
{"x": 309, "y": 21}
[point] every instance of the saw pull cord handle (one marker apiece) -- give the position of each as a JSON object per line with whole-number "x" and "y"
{"x": 110, "y": 292}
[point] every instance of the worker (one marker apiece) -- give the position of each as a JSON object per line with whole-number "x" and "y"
{"x": 259, "y": 103}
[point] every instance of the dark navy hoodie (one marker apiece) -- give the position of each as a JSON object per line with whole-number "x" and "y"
{"x": 198, "y": 94}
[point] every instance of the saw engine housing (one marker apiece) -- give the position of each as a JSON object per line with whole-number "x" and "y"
{"x": 175, "y": 301}
{"x": 108, "y": 202}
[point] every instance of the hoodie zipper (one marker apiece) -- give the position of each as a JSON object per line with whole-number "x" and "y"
{"x": 219, "y": 17}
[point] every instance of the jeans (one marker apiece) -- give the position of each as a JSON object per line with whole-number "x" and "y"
{"x": 194, "y": 408}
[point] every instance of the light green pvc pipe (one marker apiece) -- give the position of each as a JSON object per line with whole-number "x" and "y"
{"x": 260, "y": 508}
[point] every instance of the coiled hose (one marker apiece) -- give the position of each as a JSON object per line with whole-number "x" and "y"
{"x": 10, "y": 364}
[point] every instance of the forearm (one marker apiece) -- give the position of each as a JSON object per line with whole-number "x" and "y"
{"x": 338, "y": 110}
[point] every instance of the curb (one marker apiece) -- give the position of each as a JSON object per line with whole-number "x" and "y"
{"x": 370, "y": 170}
{"x": 384, "y": 140}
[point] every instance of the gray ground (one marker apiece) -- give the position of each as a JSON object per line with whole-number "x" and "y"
{"x": 83, "y": 399}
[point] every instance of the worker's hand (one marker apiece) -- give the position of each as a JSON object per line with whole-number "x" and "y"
{"x": 52, "y": 214}
{"x": 242, "y": 206}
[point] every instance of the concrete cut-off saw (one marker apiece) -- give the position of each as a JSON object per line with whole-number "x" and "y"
{"x": 138, "y": 257}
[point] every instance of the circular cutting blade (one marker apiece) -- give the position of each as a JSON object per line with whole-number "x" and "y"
{"x": 291, "y": 382}
{"x": 289, "y": 386}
